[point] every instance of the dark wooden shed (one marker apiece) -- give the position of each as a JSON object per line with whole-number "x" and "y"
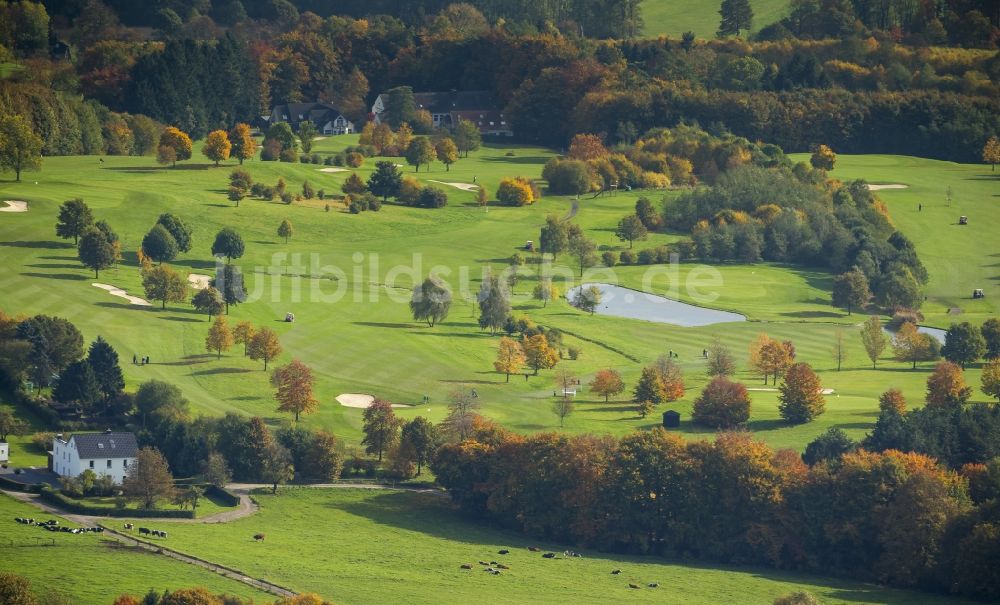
{"x": 671, "y": 419}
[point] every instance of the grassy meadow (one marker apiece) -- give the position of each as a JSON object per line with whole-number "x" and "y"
{"x": 408, "y": 547}
{"x": 94, "y": 569}
{"x": 354, "y": 327}
{"x": 674, "y": 17}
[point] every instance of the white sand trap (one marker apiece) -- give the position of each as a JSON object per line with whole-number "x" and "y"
{"x": 116, "y": 291}
{"x": 14, "y": 206}
{"x": 198, "y": 282}
{"x": 359, "y": 400}
{"x": 462, "y": 186}
{"x": 333, "y": 169}
{"x": 891, "y": 186}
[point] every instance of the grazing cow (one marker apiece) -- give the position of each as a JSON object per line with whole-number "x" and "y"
{"x": 503, "y": 552}
{"x": 549, "y": 555}
{"x": 466, "y": 566}
{"x": 494, "y": 572}
{"x": 129, "y": 526}
{"x": 615, "y": 572}
{"x": 534, "y": 549}
{"x": 483, "y": 563}
{"x": 502, "y": 566}
{"x": 653, "y": 585}
{"x": 633, "y": 586}
{"x": 258, "y": 537}
{"x": 163, "y": 534}
{"x": 144, "y": 531}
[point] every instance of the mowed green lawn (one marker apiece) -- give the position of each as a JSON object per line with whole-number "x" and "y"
{"x": 674, "y": 17}
{"x": 93, "y": 569}
{"x": 370, "y": 546}
{"x": 357, "y": 334}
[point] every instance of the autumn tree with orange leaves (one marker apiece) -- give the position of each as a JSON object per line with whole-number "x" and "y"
{"x": 295, "y": 389}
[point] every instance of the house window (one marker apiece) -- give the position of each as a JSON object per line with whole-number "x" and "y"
{"x": 125, "y": 463}
{"x": 91, "y": 464}
{"x": 109, "y": 464}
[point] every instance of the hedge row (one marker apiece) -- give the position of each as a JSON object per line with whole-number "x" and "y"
{"x": 223, "y": 495}
{"x": 53, "y": 497}
{"x": 8, "y": 483}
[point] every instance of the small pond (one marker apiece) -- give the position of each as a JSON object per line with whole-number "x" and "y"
{"x": 623, "y": 302}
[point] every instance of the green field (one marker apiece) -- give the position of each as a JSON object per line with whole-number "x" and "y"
{"x": 674, "y": 17}
{"x": 366, "y": 342}
{"x": 369, "y": 546}
{"x": 94, "y": 569}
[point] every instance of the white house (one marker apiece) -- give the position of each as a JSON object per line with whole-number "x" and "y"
{"x": 447, "y": 108}
{"x": 4, "y": 452}
{"x": 104, "y": 453}
{"x": 327, "y": 119}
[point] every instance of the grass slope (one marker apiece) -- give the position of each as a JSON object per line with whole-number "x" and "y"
{"x": 674, "y": 17}
{"x": 367, "y": 546}
{"x": 358, "y": 336}
{"x": 93, "y": 569}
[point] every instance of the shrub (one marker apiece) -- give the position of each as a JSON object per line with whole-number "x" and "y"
{"x": 42, "y": 442}
{"x": 516, "y": 191}
{"x": 374, "y": 203}
{"x": 268, "y": 193}
{"x": 307, "y": 191}
{"x": 662, "y": 254}
{"x": 627, "y": 257}
{"x": 609, "y": 259}
{"x": 902, "y": 316}
{"x": 257, "y": 189}
{"x": 646, "y": 257}
{"x": 409, "y": 191}
{"x": 432, "y": 197}
{"x": 317, "y": 159}
{"x": 287, "y": 197}
{"x": 289, "y": 155}
{"x": 270, "y": 151}
{"x": 305, "y": 158}
{"x": 329, "y": 160}
{"x": 321, "y": 194}
{"x": 574, "y": 352}
{"x": 654, "y": 180}
{"x": 354, "y": 159}
{"x": 340, "y": 159}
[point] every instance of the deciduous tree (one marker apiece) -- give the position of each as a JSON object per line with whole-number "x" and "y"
{"x": 946, "y": 386}
{"x": 244, "y": 146}
{"x": 823, "y": 158}
{"x": 650, "y": 387}
{"x": 215, "y": 471}
{"x": 722, "y": 404}
{"x": 545, "y": 291}
{"x": 607, "y": 382}
{"x": 217, "y": 146}
{"x": 963, "y": 344}
{"x": 587, "y": 298}
{"x": 264, "y": 346}
{"x": 307, "y": 133}
{"x": 631, "y": 229}
{"x": 381, "y": 428}
{"x": 800, "y": 397}
{"x": 75, "y": 218}
{"x": 179, "y": 229}
{"x": 419, "y": 437}
{"x": 737, "y": 15}
{"x": 538, "y": 353}
{"x": 229, "y": 282}
{"x": 720, "y": 359}
{"x": 467, "y": 137}
{"x": 874, "y": 338}
{"x": 893, "y": 400}
{"x": 510, "y": 357}
{"x": 851, "y": 290}
{"x": 285, "y": 230}
{"x": 447, "y": 152}
{"x": 159, "y": 245}
{"x": 228, "y": 243}
{"x": 243, "y": 334}
{"x": 991, "y": 379}
{"x": 586, "y": 147}
{"x": 96, "y": 252}
{"x": 178, "y": 141}
{"x": 431, "y": 301}
{"x": 295, "y": 389}
{"x": 149, "y": 479}
{"x": 553, "y": 238}
{"x": 420, "y": 151}
{"x": 209, "y": 301}
{"x": 165, "y": 285}
{"x": 991, "y": 152}
{"x": 909, "y": 344}
{"x": 20, "y": 147}
{"x": 494, "y": 303}
{"x": 220, "y": 337}
{"x": 991, "y": 336}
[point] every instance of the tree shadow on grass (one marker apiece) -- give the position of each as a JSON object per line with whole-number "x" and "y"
{"x": 73, "y": 258}
{"x": 758, "y": 426}
{"x": 382, "y": 324}
{"x": 449, "y": 334}
{"x": 214, "y": 371}
{"x": 33, "y": 244}
{"x": 813, "y": 314}
{"x": 184, "y": 362}
{"x": 55, "y": 266}
{"x": 183, "y": 319}
{"x": 122, "y": 306}
{"x": 65, "y": 276}
{"x": 194, "y": 264}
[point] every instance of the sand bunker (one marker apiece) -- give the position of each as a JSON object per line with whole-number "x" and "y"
{"x": 116, "y": 291}
{"x": 891, "y": 186}
{"x": 359, "y": 400}
{"x": 333, "y": 169}
{"x": 14, "y": 206}
{"x": 462, "y": 186}
{"x": 198, "y": 282}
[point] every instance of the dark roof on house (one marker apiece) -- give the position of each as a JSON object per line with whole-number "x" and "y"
{"x": 106, "y": 445}
{"x": 317, "y": 113}
{"x": 455, "y": 100}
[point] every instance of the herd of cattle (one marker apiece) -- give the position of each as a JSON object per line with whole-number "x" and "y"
{"x": 145, "y": 531}
{"x": 53, "y": 525}
{"x": 494, "y": 568}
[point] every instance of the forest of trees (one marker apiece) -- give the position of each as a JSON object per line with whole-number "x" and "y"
{"x": 847, "y": 90}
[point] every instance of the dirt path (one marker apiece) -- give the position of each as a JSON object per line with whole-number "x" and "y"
{"x": 245, "y": 487}
{"x": 573, "y": 209}
{"x": 246, "y": 508}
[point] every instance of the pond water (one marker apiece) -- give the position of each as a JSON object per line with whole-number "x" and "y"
{"x": 623, "y": 302}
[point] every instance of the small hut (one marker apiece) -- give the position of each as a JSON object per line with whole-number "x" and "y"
{"x": 671, "y": 419}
